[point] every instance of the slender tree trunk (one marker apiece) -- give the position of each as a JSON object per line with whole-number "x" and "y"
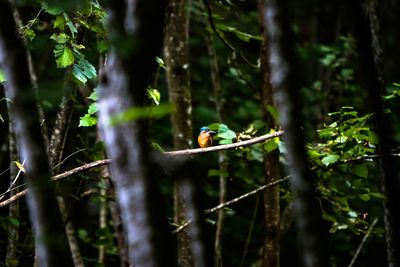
{"x": 14, "y": 211}
{"x": 216, "y": 84}
{"x": 271, "y": 249}
{"x": 135, "y": 29}
{"x": 56, "y": 149}
{"x": 32, "y": 73}
{"x": 176, "y": 54}
{"x": 51, "y": 243}
{"x": 370, "y": 55}
{"x": 283, "y": 80}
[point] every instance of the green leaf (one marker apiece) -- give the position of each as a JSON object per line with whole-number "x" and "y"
{"x": 214, "y": 172}
{"x": 70, "y": 25}
{"x": 84, "y": 71}
{"x": 154, "y": 94}
{"x": 65, "y": 59}
{"x": 53, "y": 10}
{"x": 102, "y": 46}
{"x": 157, "y": 147}
{"x": 59, "y": 23}
{"x": 361, "y": 170}
{"x": 94, "y": 95}
{"x": 93, "y": 108}
{"x": 229, "y": 134}
{"x": 136, "y": 113}
{"x": 29, "y": 34}
{"x": 365, "y": 197}
{"x": 271, "y": 145}
{"x": 330, "y": 159}
{"x": 377, "y": 195}
{"x": 2, "y": 76}
{"x": 84, "y": 235}
{"x": 273, "y": 111}
{"x": 160, "y": 62}
{"x": 61, "y": 38}
{"x": 87, "y": 121}
{"x": 14, "y": 221}
{"x": 225, "y": 141}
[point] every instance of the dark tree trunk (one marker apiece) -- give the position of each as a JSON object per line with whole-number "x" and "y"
{"x": 14, "y": 211}
{"x": 283, "y": 80}
{"x": 56, "y": 151}
{"x": 176, "y": 54}
{"x": 366, "y": 30}
{"x": 51, "y": 243}
{"x": 135, "y": 33}
{"x": 271, "y": 248}
{"x": 216, "y": 84}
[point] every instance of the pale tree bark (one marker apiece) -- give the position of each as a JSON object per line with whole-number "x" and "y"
{"x": 271, "y": 248}
{"x": 135, "y": 34}
{"x": 176, "y": 55}
{"x": 283, "y": 80}
{"x": 366, "y": 29}
{"x": 51, "y": 244}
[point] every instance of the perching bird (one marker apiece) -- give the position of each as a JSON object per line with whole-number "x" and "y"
{"x": 205, "y": 137}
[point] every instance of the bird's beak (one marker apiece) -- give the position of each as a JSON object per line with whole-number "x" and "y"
{"x": 212, "y": 132}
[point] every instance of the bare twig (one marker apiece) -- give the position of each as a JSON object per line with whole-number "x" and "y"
{"x": 59, "y": 177}
{"x": 233, "y": 201}
{"x": 363, "y": 242}
{"x": 225, "y": 147}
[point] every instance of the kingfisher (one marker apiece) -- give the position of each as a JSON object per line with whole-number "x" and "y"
{"x": 205, "y": 138}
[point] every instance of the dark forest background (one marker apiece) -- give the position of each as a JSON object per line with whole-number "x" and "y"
{"x": 100, "y": 107}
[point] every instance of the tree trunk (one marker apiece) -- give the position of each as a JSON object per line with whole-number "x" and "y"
{"x": 135, "y": 29}
{"x": 14, "y": 211}
{"x": 366, "y": 32}
{"x": 51, "y": 243}
{"x": 176, "y": 54}
{"x": 216, "y": 84}
{"x": 271, "y": 249}
{"x": 283, "y": 80}
{"x": 56, "y": 149}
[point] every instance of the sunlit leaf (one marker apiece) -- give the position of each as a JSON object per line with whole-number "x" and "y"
{"x": 65, "y": 59}
{"x": 154, "y": 94}
{"x": 94, "y": 95}
{"x": 19, "y": 166}
{"x": 330, "y": 159}
{"x": 87, "y": 121}
{"x": 93, "y": 108}
{"x": 160, "y": 62}
{"x": 59, "y": 23}
{"x": 61, "y": 38}
{"x": 2, "y": 76}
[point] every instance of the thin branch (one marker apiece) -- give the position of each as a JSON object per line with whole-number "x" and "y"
{"x": 255, "y": 191}
{"x": 225, "y": 147}
{"x": 59, "y": 177}
{"x": 363, "y": 242}
{"x": 10, "y": 188}
{"x": 233, "y": 201}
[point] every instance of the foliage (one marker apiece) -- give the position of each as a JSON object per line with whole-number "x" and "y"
{"x": 342, "y": 163}
{"x": 342, "y": 145}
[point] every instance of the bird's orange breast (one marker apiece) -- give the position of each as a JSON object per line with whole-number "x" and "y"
{"x": 204, "y": 140}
